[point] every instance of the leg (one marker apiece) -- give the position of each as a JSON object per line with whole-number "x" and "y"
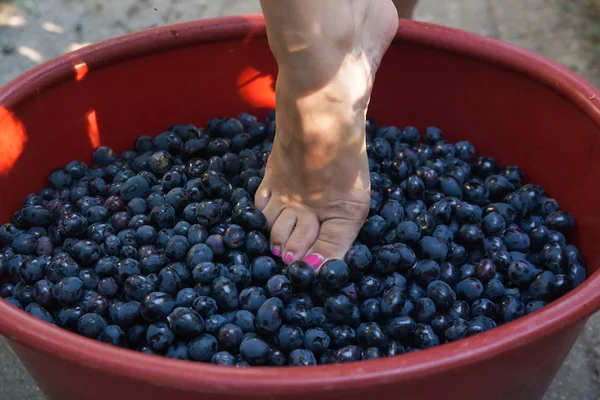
{"x": 316, "y": 189}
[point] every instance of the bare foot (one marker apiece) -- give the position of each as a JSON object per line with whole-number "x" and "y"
{"x": 316, "y": 189}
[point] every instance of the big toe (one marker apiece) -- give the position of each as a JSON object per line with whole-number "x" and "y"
{"x": 335, "y": 237}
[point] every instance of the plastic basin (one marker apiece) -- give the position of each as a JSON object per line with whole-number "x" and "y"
{"x": 512, "y": 104}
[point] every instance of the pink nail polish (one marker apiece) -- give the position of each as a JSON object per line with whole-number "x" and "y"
{"x": 314, "y": 260}
{"x": 288, "y": 258}
{"x": 276, "y": 250}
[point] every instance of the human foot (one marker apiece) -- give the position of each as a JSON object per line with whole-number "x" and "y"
{"x": 315, "y": 192}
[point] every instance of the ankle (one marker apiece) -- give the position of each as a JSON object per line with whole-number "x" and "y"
{"x": 303, "y": 28}
{"x": 327, "y": 118}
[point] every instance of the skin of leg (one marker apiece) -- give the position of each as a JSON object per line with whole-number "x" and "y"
{"x": 316, "y": 189}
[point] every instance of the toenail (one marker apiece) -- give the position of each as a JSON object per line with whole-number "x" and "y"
{"x": 289, "y": 257}
{"x": 276, "y": 250}
{"x": 315, "y": 260}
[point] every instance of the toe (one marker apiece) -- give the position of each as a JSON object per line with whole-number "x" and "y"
{"x": 336, "y": 236}
{"x": 304, "y": 235}
{"x": 272, "y": 211}
{"x": 262, "y": 197}
{"x": 282, "y": 230}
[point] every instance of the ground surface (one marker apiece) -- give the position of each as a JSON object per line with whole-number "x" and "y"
{"x": 565, "y": 30}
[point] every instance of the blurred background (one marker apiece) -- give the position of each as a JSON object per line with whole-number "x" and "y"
{"x": 567, "y": 31}
{"x": 34, "y": 31}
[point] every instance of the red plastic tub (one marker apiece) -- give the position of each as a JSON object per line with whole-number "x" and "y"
{"x": 512, "y": 104}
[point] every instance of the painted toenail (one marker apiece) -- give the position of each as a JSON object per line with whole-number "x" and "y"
{"x": 288, "y": 258}
{"x": 276, "y": 250}
{"x": 315, "y": 260}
